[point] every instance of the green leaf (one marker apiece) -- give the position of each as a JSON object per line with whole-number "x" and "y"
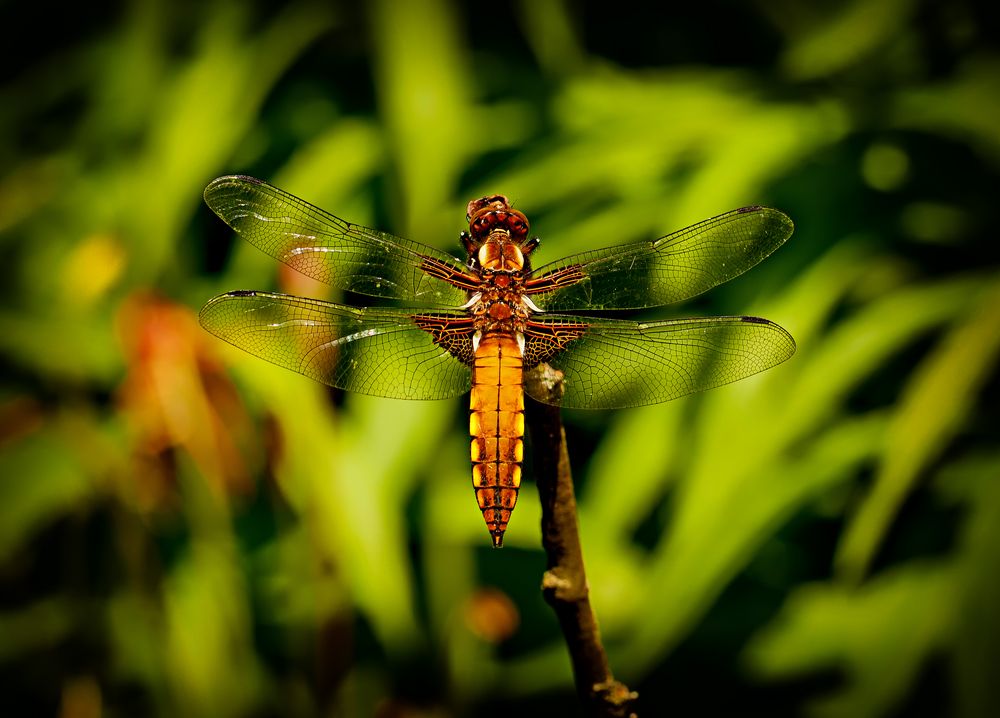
{"x": 879, "y": 634}
{"x": 41, "y": 479}
{"x": 936, "y": 404}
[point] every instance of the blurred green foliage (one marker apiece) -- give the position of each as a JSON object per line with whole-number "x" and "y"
{"x": 185, "y": 530}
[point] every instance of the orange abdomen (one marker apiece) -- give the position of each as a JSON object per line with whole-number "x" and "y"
{"x": 496, "y": 423}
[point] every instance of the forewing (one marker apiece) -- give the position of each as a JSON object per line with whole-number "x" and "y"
{"x": 327, "y": 248}
{"x": 611, "y": 364}
{"x": 673, "y": 268}
{"x": 381, "y": 352}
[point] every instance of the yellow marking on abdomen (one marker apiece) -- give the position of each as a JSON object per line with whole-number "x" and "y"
{"x": 496, "y": 423}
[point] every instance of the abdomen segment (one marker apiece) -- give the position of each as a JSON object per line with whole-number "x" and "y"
{"x": 496, "y": 423}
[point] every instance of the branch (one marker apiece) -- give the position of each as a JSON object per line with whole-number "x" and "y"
{"x": 564, "y": 584}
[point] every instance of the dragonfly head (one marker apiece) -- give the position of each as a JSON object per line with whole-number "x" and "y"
{"x": 497, "y": 236}
{"x": 489, "y": 214}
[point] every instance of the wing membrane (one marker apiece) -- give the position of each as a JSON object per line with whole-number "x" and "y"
{"x": 381, "y": 352}
{"x": 616, "y": 364}
{"x": 329, "y": 249}
{"x": 670, "y": 269}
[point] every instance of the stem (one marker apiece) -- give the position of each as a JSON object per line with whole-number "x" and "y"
{"x": 564, "y": 584}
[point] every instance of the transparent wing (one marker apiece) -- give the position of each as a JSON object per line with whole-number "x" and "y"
{"x": 327, "y": 248}
{"x": 381, "y": 352}
{"x": 673, "y": 268}
{"x": 611, "y": 364}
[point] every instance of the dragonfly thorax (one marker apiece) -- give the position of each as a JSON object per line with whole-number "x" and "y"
{"x": 499, "y": 305}
{"x": 499, "y": 254}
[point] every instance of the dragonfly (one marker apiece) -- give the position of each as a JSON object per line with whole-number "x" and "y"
{"x": 478, "y": 326}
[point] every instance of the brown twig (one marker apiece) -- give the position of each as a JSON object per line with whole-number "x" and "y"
{"x": 565, "y": 581}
